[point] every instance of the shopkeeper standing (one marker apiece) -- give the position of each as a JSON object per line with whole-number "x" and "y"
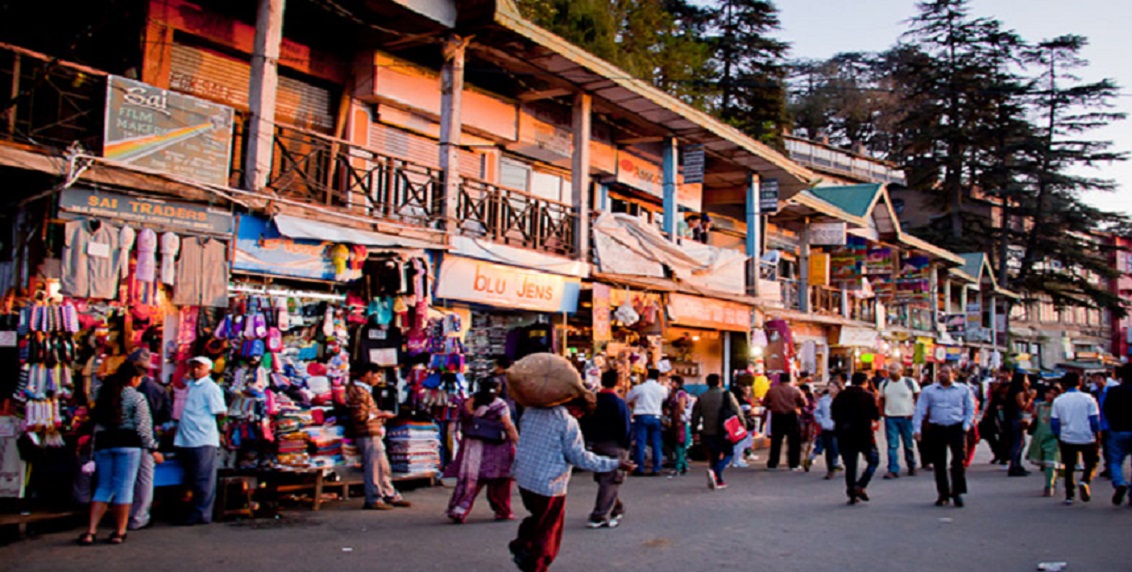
{"x": 198, "y": 438}
{"x": 368, "y": 422}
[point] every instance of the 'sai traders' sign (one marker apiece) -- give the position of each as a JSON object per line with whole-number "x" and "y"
{"x": 167, "y": 131}
{"x": 171, "y": 215}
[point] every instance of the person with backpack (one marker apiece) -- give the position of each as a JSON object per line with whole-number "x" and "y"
{"x": 898, "y": 395}
{"x": 711, "y": 410}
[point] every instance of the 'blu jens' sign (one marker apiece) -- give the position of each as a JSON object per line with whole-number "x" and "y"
{"x": 261, "y": 249}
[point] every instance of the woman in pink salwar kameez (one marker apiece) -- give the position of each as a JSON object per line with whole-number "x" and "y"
{"x": 482, "y": 463}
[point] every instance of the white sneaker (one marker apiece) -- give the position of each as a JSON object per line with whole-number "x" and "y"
{"x": 739, "y": 463}
{"x": 615, "y": 521}
{"x": 711, "y": 480}
{"x": 592, "y": 524}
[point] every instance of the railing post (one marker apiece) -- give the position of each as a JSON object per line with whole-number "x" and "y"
{"x": 494, "y": 196}
{"x": 11, "y": 112}
{"x": 451, "y": 126}
{"x": 262, "y": 91}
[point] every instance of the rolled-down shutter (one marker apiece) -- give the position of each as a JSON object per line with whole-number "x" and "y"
{"x": 224, "y": 78}
{"x": 401, "y": 144}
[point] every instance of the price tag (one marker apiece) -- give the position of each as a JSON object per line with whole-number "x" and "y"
{"x": 98, "y": 249}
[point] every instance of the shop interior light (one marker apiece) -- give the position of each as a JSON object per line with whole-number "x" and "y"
{"x": 896, "y": 353}
{"x": 695, "y": 338}
{"x": 756, "y": 351}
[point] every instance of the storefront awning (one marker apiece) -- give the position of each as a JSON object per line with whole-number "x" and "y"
{"x": 301, "y": 228}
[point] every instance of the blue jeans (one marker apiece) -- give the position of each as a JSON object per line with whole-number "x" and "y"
{"x": 828, "y": 445}
{"x": 117, "y": 469}
{"x": 720, "y": 453}
{"x": 1017, "y": 440}
{"x": 646, "y": 431}
{"x": 897, "y": 429}
{"x": 851, "y": 457}
{"x": 1119, "y": 447}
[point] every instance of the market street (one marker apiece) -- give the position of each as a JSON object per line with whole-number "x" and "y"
{"x": 779, "y": 520}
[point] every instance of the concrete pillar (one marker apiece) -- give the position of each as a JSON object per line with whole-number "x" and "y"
{"x": 451, "y": 126}
{"x": 754, "y": 235}
{"x": 670, "y": 156}
{"x": 580, "y": 172}
{"x": 262, "y": 88}
{"x": 947, "y": 296}
{"x": 933, "y": 289}
{"x": 994, "y": 320}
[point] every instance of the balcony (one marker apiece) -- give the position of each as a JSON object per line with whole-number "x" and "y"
{"x": 56, "y": 103}
{"x": 508, "y": 216}
{"x": 791, "y": 293}
{"x": 825, "y": 300}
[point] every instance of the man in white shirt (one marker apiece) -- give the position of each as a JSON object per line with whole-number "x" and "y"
{"x": 646, "y": 401}
{"x": 898, "y": 403}
{"x": 1075, "y": 420}
{"x": 198, "y": 437}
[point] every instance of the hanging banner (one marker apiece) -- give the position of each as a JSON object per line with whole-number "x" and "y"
{"x": 506, "y": 286}
{"x": 857, "y": 337}
{"x": 167, "y": 131}
{"x": 603, "y": 330}
{"x": 262, "y": 250}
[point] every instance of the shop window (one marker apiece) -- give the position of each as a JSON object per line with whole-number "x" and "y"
{"x": 547, "y": 186}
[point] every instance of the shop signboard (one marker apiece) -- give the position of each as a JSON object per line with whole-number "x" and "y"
{"x": 709, "y": 313}
{"x": 857, "y": 337}
{"x": 693, "y": 157}
{"x": 167, "y": 131}
{"x": 975, "y": 330}
{"x": 640, "y": 174}
{"x": 827, "y": 234}
{"x": 492, "y": 284}
{"x": 149, "y": 211}
{"x": 262, "y": 250}
{"x": 956, "y": 324}
{"x": 603, "y": 330}
{"x": 768, "y": 196}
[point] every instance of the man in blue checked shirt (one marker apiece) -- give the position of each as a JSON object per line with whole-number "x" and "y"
{"x": 944, "y": 414}
{"x": 550, "y": 441}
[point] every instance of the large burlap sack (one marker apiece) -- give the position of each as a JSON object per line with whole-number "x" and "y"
{"x": 544, "y": 380}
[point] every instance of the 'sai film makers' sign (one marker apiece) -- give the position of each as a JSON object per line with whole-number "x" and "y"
{"x": 166, "y": 131}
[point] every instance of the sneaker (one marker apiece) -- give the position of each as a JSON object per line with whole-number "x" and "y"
{"x": 739, "y": 463}
{"x": 796, "y": 469}
{"x": 379, "y": 505}
{"x": 1118, "y": 494}
{"x": 597, "y": 524}
{"x": 1086, "y": 492}
{"x": 711, "y": 482}
{"x": 615, "y": 520}
{"x": 720, "y": 486}
{"x": 1067, "y": 502}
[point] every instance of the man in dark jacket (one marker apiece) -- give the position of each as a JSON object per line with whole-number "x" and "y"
{"x": 712, "y": 410}
{"x": 856, "y": 416}
{"x": 607, "y": 432}
{"x": 1118, "y": 413}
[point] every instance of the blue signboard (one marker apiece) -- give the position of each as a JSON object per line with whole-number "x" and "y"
{"x": 261, "y": 249}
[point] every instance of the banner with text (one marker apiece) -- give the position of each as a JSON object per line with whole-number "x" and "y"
{"x": 482, "y": 282}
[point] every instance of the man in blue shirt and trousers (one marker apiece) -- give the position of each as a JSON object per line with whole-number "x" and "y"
{"x": 944, "y": 414}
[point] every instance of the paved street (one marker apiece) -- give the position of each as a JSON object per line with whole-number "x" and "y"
{"x": 779, "y": 520}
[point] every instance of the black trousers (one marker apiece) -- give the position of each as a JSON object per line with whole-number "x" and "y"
{"x": 938, "y": 441}
{"x": 1070, "y": 452}
{"x": 785, "y": 425}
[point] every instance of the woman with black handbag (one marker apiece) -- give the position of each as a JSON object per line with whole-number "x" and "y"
{"x": 487, "y": 450}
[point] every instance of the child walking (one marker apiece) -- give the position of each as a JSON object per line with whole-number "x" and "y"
{"x": 1044, "y": 451}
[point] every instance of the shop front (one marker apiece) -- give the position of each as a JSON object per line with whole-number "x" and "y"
{"x": 853, "y": 348}
{"x": 704, "y": 336}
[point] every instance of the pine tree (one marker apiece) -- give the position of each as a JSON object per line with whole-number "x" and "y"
{"x": 751, "y": 67}
{"x": 1059, "y": 255}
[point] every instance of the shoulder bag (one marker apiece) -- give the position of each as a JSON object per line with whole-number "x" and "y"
{"x": 733, "y": 428}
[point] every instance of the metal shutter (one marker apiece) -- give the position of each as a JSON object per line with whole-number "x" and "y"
{"x": 389, "y": 140}
{"x": 223, "y": 78}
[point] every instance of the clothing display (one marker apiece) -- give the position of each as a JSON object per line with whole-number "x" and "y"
{"x": 91, "y": 259}
{"x": 202, "y": 273}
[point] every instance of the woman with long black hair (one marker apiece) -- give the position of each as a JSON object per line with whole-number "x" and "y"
{"x": 484, "y": 459}
{"x": 1019, "y": 398}
{"x": 123, "y": 432}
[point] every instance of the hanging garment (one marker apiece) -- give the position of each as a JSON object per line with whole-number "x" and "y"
{"x": 91, "y": 259}
{"x": 170, "y": 245}
{"x": 125, "y": 244}
{"x": 809, "y": 356}
{"x": 147, "y": 256}
{"x": 202, "y": 273}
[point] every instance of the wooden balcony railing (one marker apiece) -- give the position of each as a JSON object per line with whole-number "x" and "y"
{"x": 512, "y": 217}
{"x": 825, "y": 300}
{"x": 316, "y": 168}
{"x": 791, "y": 293}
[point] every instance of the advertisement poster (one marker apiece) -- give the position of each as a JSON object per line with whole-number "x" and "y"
{"x": 261, "y": 249}
{"x": 166, "y": 131}
{"x": 603, "y": 331}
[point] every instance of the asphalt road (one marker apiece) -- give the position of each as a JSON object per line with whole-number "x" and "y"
{"x": 765, "y": 520}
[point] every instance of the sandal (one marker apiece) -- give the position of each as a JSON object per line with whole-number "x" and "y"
{"x": 85, "y": 539}
{"x": 116, "y": 538}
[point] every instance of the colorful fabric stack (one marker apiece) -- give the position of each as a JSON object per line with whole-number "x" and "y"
{"x": 327, "y": 442}
{"x": 414, "y": 447}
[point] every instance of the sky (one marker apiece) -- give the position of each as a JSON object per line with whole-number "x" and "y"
{"x": 822, "y": 28}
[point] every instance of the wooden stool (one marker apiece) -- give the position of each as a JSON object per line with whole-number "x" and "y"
{"x": 241, "y": 489}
